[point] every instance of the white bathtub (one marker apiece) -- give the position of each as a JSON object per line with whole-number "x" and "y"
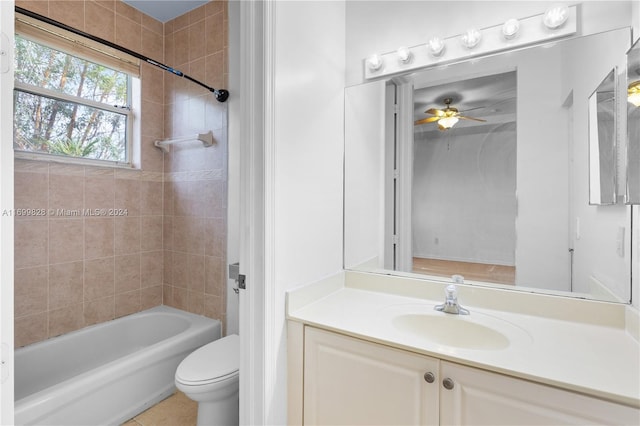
{"x": 107, "y": 373}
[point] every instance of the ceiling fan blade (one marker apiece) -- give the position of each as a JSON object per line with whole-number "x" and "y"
{"x": 426, "y": 120}
{"x": 435, "y": 111}
{"x": 472, "y": 118}
{"x": 471, "y": 109}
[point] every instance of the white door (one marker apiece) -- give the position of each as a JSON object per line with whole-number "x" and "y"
{"x": 6, "y": 205}
{"x": 477, "y": 397}
{"x": 352, "y": 382}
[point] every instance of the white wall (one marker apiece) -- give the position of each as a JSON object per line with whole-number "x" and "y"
{"x": 305, "y": 158}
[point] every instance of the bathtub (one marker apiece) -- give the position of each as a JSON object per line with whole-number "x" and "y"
{"x": 107, "y": 373}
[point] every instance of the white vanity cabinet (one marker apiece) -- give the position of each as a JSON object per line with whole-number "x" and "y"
{"x": 348, "y": 381}
{"x": 352, "y": 382}
{"x": 477, "y": 397}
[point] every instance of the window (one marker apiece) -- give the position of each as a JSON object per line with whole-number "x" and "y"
{"x": 70, "y": 105}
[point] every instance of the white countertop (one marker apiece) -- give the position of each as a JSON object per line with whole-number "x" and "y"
{"x": 568, "y": 351}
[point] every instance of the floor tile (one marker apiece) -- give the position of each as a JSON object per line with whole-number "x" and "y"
{"x": 177, "y": 410}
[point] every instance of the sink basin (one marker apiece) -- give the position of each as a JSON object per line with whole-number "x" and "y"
{"x": 479, "y": 332}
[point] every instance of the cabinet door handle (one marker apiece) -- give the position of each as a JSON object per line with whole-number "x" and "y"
{"x": 429, "y": 377}
{"x": 447, "y": 383}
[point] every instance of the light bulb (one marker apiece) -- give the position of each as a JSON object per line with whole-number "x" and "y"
{"x": 404, "y": 55}
{"x": 555, "y": 16}
{"x": 510, "y": 29}
{"x": 633, "y": 93}
{"x": 447, "y": 122}
{"x": 471, "y": 38}
{"x": 436, "y": 46}
{"x": 374, "y": 62}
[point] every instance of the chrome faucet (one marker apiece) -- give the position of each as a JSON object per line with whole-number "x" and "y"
{"x": 450, "y": 305}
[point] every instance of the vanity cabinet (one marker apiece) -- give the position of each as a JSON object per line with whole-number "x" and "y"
{"x": 352, "y": 382}
{"x": 355, "y": 382}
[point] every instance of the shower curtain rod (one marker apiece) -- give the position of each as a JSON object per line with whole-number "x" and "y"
{"x": 220, "y": 94}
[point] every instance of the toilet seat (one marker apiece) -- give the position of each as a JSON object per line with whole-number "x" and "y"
{"x": 214, "y": 362}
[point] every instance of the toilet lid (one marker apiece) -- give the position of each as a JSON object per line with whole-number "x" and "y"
{"x": 214, "y": 361}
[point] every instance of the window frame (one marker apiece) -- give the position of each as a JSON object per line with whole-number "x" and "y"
{"x": 133, "y": 95}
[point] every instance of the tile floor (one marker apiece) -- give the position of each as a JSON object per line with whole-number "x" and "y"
{"x": 177, "y": 410}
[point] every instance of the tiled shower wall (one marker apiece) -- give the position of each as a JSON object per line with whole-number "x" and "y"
{"x": 73, "y": 271}
{"x": 195, "y": 177}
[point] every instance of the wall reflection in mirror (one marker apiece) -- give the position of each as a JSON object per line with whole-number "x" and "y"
{"x": 603, "y": 141}
{"x": 499, "y": 192}
{"x": 633, "y": 125}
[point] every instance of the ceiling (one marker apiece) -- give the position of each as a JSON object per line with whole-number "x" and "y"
{"x": 165, "y": 10}
{"x": 491, "y": 97}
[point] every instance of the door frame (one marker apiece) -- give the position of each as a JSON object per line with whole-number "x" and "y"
{"x": 7, "y": 15}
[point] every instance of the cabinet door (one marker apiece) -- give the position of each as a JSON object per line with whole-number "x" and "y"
{"x": 483, "y": 398}
{"x": 351, "y": 382}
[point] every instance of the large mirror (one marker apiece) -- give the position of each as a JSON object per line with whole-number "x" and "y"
{"x": 501, "y": 196}
{"x": 603, "y": 142}
{"x": 633, "y": 125}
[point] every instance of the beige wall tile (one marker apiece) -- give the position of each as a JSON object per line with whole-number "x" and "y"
{"x": 196, "y": 302}
{"x": 128, "y": 33}
{"x": 99, "y": 237}
{"x": 31, "y": 191}
{"x": 30, "y": 329}
{"x": 127, "y": 235}
{"x": 152, "y": 157}
{"x": 153, "y": 119}
{"x": 127, "y": 303}
{"x": 150, "y": 297}
{"x": 181, "y": 47}
{"x": 167, "y": 267}
{"x": 99, "y": 279}
{"x": 40, "y": 7}
{"x": 65, "y": 320}
{"x": 152, "y": 24}
{"x": 152, "y": 46}
{"x": 65, "y": 284}
{"x": 214, "y": 275}
{"x": 127, "y": 196}
{"x": 151, "y": 198}
{"x": 127, "y": 273}
{"x": 151, "y": 268}
{"x": 180, "y": 269}
{"x": 214, "y": 33}
{"x": 173, "y": 107}
{"x": 31, "y": 287}
{"x": 151, "y": 233}
{"x": 167, "y": 295}
{"x": 66, "y": 192}
{"x": 101, "y": 19}
{"x": 68, "y": 12}
{"x": 181, "y": 298}
{"x": 130, "y": 12}
{"x": 152, "y": 84}
{"x": 99, "y": 310}
{"x": 214, "y": 306}
{"x": 31, "y": 245}
{"x": 196, "y": 273}
{"x": 197, "y": 40}
{"x": 99, "y": 192}
{"x": 66, "y": 240}
{"x": 180, "y": 22}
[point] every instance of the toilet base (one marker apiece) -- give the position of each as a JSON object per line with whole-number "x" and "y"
{"x": 223, "y": 412}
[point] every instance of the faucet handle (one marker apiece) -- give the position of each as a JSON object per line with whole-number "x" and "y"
{"x": 451, "y": 291}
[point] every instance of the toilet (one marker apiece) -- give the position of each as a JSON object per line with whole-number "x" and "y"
{"x": 209, "y": 375}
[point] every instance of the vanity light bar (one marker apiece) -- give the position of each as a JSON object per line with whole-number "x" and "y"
{"x": 529, "y": 31}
